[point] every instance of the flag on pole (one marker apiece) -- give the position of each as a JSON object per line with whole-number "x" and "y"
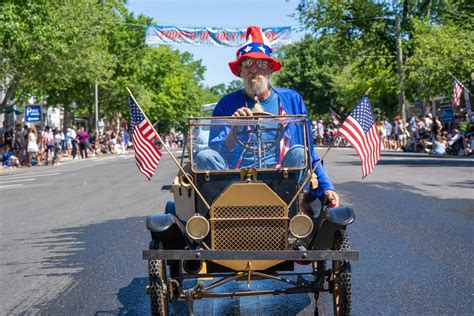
{"x": 457, "y": 91}
{"x": 361, "y": 131}
{"x": 147, "y": 154}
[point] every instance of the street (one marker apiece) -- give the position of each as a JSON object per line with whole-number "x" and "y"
{"x": 72, "y": 238}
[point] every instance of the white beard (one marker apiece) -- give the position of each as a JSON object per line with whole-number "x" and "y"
{"x": 256, "y": 85}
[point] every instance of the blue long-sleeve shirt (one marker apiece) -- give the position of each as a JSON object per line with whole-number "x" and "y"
{"x": 292, "y": 104}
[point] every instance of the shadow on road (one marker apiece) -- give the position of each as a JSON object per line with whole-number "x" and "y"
{"x": 109, "y": 277}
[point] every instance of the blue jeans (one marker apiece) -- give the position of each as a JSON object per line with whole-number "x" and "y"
{"x": 209, "y": 159}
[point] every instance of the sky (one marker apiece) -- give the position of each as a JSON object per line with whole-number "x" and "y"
{"x": 215, "y": 13}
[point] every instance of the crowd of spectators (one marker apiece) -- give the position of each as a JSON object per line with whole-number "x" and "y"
{"x": 28, "y": 146}
{"x": 423, "y": 134}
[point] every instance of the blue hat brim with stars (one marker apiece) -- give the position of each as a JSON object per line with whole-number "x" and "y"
{"x": 257, "y": 48}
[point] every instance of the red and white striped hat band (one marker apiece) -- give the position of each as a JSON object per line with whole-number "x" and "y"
{"x": 257, "y": 46}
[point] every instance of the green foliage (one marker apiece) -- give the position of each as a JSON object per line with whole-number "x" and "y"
{"x": 222, "y": 89}
{"x": 352, "y": 46}
{"x": 59, "y": 49}
{"x": 437, "y": 51}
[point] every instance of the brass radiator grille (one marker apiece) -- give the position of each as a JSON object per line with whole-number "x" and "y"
{"x": 249, "y": 216}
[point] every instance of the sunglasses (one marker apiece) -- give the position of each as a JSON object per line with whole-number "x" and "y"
{"x": 261, "y": 63}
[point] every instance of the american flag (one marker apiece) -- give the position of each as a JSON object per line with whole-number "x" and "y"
{"x": 457, "y": 91}
{"x": 361, "y": 131}
{"x": 147, "y": 154}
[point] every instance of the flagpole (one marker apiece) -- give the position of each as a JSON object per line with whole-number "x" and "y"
{"x": 308, "y": 177}
{"x": 169, "y": 152}
{"x": 463, "y": 86}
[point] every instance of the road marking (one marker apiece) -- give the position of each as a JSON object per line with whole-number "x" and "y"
{"x": 26, "y": 176}
{"x": 14, "y": 180}
{"x": 10, "y": 185}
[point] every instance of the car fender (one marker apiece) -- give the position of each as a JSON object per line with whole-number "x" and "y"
{"x": 333, "y": 220}
{"x": 167, "y": 229}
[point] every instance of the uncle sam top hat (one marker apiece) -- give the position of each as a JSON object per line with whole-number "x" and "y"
{"x": 257, "y": 46}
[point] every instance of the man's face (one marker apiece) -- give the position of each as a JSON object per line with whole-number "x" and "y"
{"x": 256, "y": 75}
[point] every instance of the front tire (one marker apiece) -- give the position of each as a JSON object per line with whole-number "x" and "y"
{"x": 342, "y": 277}
{"x": 159, "y": 298}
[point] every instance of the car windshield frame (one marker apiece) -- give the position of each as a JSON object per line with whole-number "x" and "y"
{"x": 199, "y": 122}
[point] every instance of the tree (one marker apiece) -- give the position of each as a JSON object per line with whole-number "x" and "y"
{"x": 357, "y": 40}
{"x": 223, "y": 89}
{"x": 437, "y": 51}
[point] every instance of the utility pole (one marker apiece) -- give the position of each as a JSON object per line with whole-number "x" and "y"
{"x": 96, "y": 107}
{"x": 401, "y": 92}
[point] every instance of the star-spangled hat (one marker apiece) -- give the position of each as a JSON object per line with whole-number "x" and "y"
{"x": 257, "y": 46}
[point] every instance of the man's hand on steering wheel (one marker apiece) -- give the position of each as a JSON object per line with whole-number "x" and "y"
{"x": 243, "y": 112}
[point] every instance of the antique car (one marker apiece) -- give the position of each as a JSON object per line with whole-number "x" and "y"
{"x": 240, "y": 213}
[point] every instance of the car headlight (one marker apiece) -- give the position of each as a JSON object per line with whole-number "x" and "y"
{"x": 301, "y": 225}
{"x": 197, "y": 227}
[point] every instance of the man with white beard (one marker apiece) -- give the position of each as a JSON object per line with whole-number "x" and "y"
{"x": 255, "y": 65}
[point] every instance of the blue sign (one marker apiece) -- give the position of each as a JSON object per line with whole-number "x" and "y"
{"x": 447, "y": 115}
{"x": 32, "y": 113}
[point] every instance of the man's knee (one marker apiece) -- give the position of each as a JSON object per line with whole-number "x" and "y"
{"x": 209, "y": 159}
{"x": 294, "y": 157}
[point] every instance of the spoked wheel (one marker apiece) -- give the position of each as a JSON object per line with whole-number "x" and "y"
{"x": 158, "y": 291}
{"x": 342, "y": 277}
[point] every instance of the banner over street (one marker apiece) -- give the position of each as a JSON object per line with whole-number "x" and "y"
{"x": 206, "y": 36}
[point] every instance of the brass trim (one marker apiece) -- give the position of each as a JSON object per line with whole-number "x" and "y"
{"x": 247, "y": 218}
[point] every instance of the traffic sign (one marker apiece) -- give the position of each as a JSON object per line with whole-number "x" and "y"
{"x": 32, "y": 113}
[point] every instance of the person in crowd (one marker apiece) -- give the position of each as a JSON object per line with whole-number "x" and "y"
{"x": 74, "y": 142}
{"x": 58, "y": 143}
{"x": 439, "y": 146}
{"x": 320, "y": 127}
{"x": 41, "y": 147}
{"x": 126, "y": 140}
{"x": 437, "y": 126}
{"x": 119, "y": 147}
{"x": 468, "y": 144}
{"x": 255, "y": 65}
{"x": 382, "y": 133}
{"x": 32, "y": 145}
{"x": 19, "y": 142}
{"x": 428, "y": 120}
{"x": 455, "y": 143}
{"x": 8, "y": 158}
{"x": 412, "y": 124}
{"x": 399, "y": 133}
{"x": 388, "y": 133}
{"x": 420, "y": 128}
{"x": 49, "y": 144}
{"x": 8, "y": 137}
{"x": 83, "y": 138}
{"x": 68, "y": 141}
{"x": 112, "y": 142}
{"x": 93, "y": 142}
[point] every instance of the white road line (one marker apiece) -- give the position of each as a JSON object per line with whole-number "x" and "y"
{"x": 26, "y": 176}
{"x": 9, "y": 186}
{"x": 14, "y": 180}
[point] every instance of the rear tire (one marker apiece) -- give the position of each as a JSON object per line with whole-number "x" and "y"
{"x": 342, "y": 277}
{"x": 159, "y": 299}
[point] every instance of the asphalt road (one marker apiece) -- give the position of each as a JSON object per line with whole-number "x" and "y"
{"x": 72, "y": 238}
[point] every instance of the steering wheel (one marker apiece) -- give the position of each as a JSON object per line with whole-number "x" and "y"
{"x": 257, "y": 130}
